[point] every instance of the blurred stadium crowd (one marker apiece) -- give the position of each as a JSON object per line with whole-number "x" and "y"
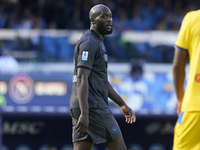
{"x": 73, "y": 14}
{"x": 137, "y": 15}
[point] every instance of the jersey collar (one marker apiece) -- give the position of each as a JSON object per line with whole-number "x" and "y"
{"x": 95, "y": 34}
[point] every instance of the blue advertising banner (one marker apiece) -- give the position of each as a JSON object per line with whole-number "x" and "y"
{"x": 50, "y": 93}
{"x": 35, "y": 93}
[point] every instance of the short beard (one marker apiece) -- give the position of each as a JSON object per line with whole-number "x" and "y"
{"x": 103, "y": 30}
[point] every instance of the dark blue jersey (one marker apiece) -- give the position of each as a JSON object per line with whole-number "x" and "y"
{"x": 90, "y": 53}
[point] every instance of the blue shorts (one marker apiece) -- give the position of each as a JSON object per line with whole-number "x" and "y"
{"x": 102, "y": 126}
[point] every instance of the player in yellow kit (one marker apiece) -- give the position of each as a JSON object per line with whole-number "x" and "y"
{"x": 187, "y": 129}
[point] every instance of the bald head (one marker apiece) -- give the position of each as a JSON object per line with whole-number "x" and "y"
{"x": 97, "y": 10}
{"x": 101, "y": 20}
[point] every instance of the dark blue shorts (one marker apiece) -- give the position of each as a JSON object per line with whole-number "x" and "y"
{"x": 102, "y": 126}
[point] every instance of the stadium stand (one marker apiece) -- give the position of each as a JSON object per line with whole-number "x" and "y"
{"x": 138, "y": 15}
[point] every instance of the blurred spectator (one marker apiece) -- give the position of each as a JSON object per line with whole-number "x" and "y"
{"x": 162, "y": 25}
{"x": 52, "y": 25}
{"x": 8, "y": 64}
{"x": 131, "y": 51}
{"x": 39, "y": 22}
{"x": 53, "y": 148}
{"x": 12, "y": 22}
{"x": 27, "y": 19}
{"x": 136, "y": 70}
{"x": 3, "y": 17}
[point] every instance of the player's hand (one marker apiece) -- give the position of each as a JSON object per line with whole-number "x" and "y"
{"x": 128, "y": 113}
{"x": 82, "y": 124}
{"x": 178, "y": 107}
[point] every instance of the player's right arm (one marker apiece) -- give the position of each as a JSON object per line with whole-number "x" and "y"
{"x": 82, "y": 91}
{"x": 179, "y": 63}
{"x": 85, "y": 57}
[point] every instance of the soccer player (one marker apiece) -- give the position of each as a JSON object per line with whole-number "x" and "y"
{"x": 187, "y": 129}
{"x": 92, "y": 120}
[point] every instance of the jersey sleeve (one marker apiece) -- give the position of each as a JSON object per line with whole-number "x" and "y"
{"x": 86, "y": 54}
{"x": 183, "y": 39}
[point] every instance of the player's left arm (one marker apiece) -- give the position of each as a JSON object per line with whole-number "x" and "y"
{"x": 127, "y": 111}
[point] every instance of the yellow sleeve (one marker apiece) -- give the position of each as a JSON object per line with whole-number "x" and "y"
{"x": 184, "y": 33}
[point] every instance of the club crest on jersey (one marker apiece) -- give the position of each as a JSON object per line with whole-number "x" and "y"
{"x": 114, "y": 130}
{"x": 85, "y": 56}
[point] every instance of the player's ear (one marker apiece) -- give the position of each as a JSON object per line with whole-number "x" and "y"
{"x": 92, "y": 20}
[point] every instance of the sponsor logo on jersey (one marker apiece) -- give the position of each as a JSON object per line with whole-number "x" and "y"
{"x": 85, "y": 56}
{"x": 197, "y": 78}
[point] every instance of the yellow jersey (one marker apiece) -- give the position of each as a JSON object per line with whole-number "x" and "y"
{"x": 189, "y": 40}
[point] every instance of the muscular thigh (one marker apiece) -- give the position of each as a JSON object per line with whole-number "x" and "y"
{"x": 83, "y": 145}
{"x": 117, "y": 144}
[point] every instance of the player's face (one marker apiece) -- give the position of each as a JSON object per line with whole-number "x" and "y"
{"x": 104, "y": 22}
